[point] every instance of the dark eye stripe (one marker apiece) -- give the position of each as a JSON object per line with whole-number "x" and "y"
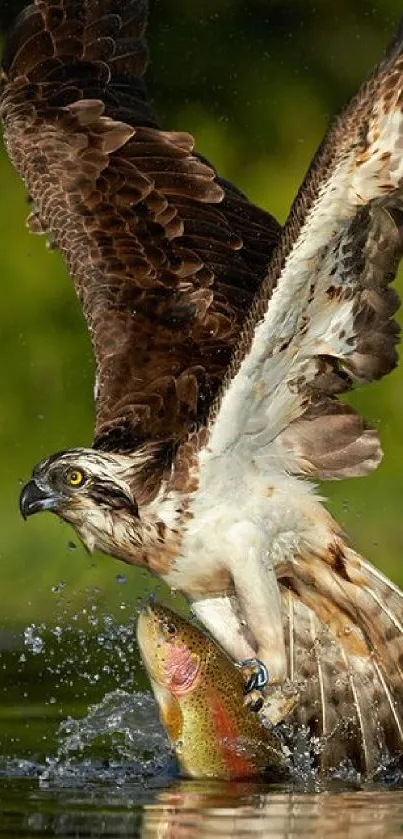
{"x": 112, "y": 496}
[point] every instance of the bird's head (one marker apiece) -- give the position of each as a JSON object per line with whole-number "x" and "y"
{"x": 93, "y": 491}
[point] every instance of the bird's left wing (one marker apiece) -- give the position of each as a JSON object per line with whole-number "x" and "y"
{"x": 328, "y": 324}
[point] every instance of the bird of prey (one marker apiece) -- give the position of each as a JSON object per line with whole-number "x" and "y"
{"x": 222, "y": 342}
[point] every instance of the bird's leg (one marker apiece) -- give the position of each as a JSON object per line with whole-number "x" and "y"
{"x": 248, "y": 623}
{"x": 221, "y": 617}
{"x": 257, "y": 591}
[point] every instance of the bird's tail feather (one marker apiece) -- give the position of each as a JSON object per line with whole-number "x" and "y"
{"x": 344, "y": 629}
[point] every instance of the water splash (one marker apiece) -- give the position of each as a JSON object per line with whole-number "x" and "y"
{"x": 86, "y": 648}
{"x": 120, "y": 736}
{"x": 82, "y": 668}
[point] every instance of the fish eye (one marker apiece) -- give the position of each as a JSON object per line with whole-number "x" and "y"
{"x": 75, "y": 477}
{"x": 171, "y": 629}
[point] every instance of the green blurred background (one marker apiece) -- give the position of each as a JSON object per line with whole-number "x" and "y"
{"x": 256, "y": 82}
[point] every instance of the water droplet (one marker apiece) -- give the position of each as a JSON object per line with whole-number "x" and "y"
{"x": 59, "y": 587}
{"x": 58, "y": 632}
{"x": 33, "y": 640}
{"x": 121, "y": 579}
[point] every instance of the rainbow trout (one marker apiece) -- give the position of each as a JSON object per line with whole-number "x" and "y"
{"x": 200, "y": 694}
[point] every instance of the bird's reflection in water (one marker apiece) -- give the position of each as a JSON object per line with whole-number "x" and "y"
{"x": 192, "y": 809}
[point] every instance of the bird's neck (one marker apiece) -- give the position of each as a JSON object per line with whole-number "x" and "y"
{"x": 151, "y": 540}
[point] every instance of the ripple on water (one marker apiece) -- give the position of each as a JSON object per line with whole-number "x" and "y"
{"x": 171, "y": 809}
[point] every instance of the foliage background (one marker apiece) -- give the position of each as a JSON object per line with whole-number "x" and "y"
{"x": 256, "y": 81}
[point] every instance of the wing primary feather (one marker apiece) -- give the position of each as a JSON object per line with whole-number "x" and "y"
{"x": 360, "y": 716}
{"x": 389, "y": 698}
{"x": 317, "y": 654}
{"x": 291, "y": 630}
{"x": 383, "y": 608}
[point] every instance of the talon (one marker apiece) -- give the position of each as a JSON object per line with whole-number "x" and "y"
{"x": 254, "y": 701}
{"x": 257, "y": 676}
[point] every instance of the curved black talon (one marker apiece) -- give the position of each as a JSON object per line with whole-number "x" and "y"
{"x": 259, "y": 676}
{"x": 254, "y": 701}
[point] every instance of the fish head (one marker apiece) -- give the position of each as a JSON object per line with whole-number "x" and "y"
{"x": 172, "y": 649}
{"x": 173, "y": 652}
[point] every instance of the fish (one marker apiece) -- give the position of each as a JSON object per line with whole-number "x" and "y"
{"x": 201, "y": 697}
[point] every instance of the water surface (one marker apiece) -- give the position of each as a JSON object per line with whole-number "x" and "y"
{"x": 117, "y": 806}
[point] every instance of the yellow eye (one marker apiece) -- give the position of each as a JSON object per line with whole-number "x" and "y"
{"x": 75, "y": 478}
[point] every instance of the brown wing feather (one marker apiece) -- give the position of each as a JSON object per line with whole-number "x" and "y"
{"x": 165, "y": 256}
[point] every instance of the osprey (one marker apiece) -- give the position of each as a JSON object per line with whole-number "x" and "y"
{"x": 222, "y": 342}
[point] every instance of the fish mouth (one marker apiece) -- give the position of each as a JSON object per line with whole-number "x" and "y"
{"x": 146, "y": 623}
{"x": 151, "y": 623}
{"x": 147, "y": 639}
{"x": 34, "y": 499}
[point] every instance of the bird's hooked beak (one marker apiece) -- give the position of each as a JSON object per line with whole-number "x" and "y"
{"x": 33, "y": 499}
